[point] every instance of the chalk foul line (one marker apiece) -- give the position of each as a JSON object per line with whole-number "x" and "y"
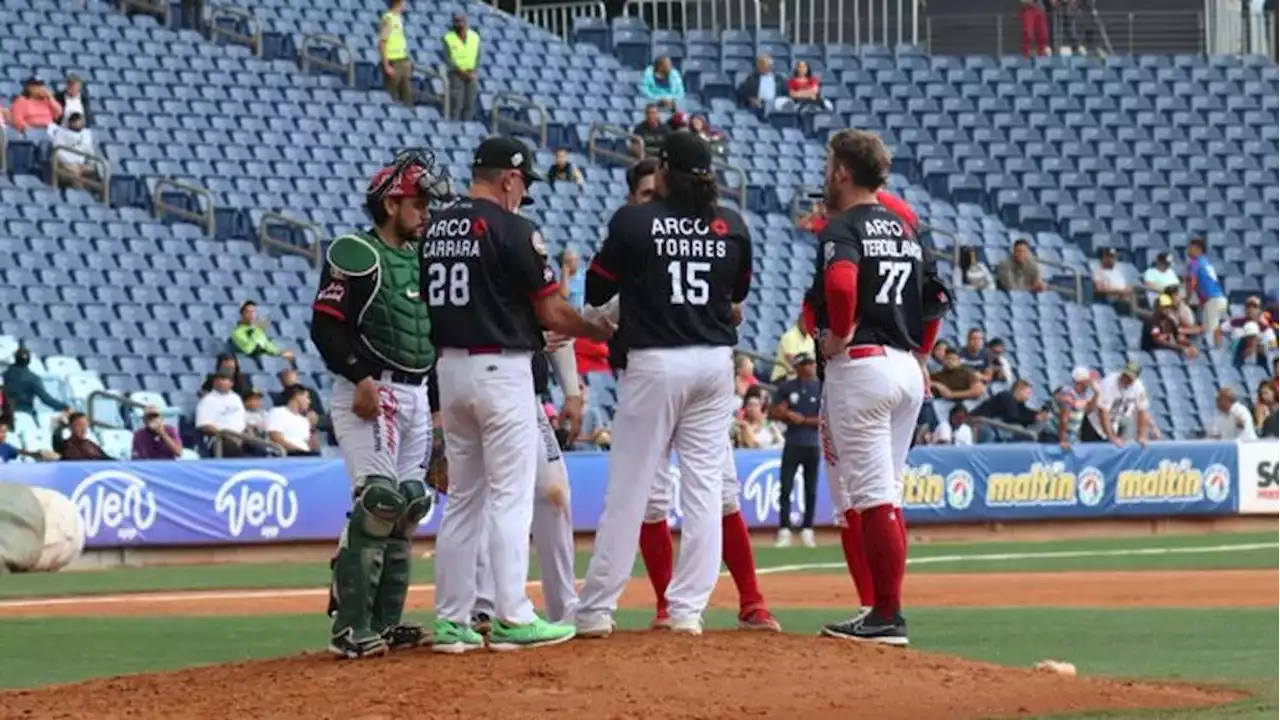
{"x": 214, "y": 595}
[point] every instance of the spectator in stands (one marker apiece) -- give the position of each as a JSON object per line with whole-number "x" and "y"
{"x": 155, "y": 440}
{"x": 926, "y": 424}
{"x": 1109, "y": 282}
{"x": 6, "y": 408}
{"x": 1009, "y": 407}
{"x": 998, "y": 362}
{"x": 974, "y": 354}
{"x": 22, "y": 387}
{"x": 1249, "y": 348}
{"x": 393, "y": 48}
{"x": 249, "y": 336}
{"x": 955, "y": 381}
{"x": 595, "y": 433}
{"x": 78, "y": 445}
{"x": 972, "y": 273}
{"x": 718, "y": 141}
{"x": 651, "y": 132}
{"x": 564, "y": 171}
{"x": 592, "y": 356}
{"x": 1035, "y": 29}
{"x": 462, "y": 55}
{"x": 573, "y": 284}
{"x": 1266, "y": 404}
{"x": 228, "y": 363}
{"x": 219, "y": 411}
{"x": 288, "y": 425}
{"x": 1161, "y": 331}
{"x": 796, "y": 404}
{"x": 1068, "y": 408}
{"x": 815, "y": 220}
{"x": 1253, "y": 313}
{"x": 4, "y": 117}
{"x": 793, "y": 343}
{"x": 956, "y": 430}
{"x": 1020, "y": 271}
{"x": 74, "y": 101}
{"x": 1160, "y": 277}
{"x": 74, "y": 150}
{"x": 662, "y": 83}
{"x": 289, "y": 379}
{"x": 754, "y": 430}
{"x": 763, "y": 88}
{"x": 9, "y": 453}
{"x": 35, "y": 107}
{"x": 1121, "y": 397}
{"x": 1232, "y": 421}
{"x": 640, "y": 182}
{"x": 744, "y": 376}
{"x": 1203, "y": 284}
{"x": 804, "y": 89}
{"x": 255, "y": 415}
{"x": 1182, "y": 313}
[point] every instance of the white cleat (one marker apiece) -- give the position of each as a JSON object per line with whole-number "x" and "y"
{"x": 807, "y": 539}
{"x": 686, "y": 626}
{"x": 784, "y": 539}
{"x": 595, "y": 629}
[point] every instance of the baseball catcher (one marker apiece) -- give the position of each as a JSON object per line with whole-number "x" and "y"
{"x": 375, "y": 336}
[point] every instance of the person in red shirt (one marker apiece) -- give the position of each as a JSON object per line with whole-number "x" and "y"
{"x": 805, "y": 89}
{"x": 815, "y": 221}
{"x": 35, "y": 107}
{"x": 592, "y": 356}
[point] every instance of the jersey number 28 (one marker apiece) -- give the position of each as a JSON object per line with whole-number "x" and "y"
{"x": 895, "y": 274}
{"x": 689, "y": 282}
{"x": 448, "y": 284}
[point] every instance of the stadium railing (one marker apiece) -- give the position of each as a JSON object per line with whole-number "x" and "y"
{"x": 4, "y": 154}
{"x": 325, "y": 52}
{"x": 226, "y": 21}
{"x": 425, "y": 77}
{"x": 310, "y": 249}
{"x": 266, "y": 445}
{"x": 1125, "y": 33}
{"x": 824, "y": 22}
{"x": 498, "y": 122}
{"x": 61, "y": 170}
{"x": 698, "y": 14}
{"x": 158, "y": 9}
{"x": 559, "y": 18}
{"x": 203, "y": 200}
{"x": 597, "y": 151}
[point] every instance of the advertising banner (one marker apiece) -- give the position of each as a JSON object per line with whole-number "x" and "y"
{"x": 1259, "y": 478}
{"x": 257, "y": 501}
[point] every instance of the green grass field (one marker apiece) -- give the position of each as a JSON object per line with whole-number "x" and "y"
{"x": 1235, "y": 647}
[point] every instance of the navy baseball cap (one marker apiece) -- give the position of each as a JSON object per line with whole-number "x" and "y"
{"x": 506, "y": 153}
{"x": 685, "y": 152}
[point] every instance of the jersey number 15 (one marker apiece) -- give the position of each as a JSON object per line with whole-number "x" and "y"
{"x": 448, "y": 284}
{"x": 689, "y": 283}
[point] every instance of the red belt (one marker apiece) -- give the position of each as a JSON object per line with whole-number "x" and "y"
{"x": 494, "y": 350}
{"x": 857, "y": 352}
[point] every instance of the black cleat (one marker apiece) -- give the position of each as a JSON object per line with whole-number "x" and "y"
{"x": 405, "y": 636}
{"x": 351, "y": 646}
{"x": 870, "y": 628}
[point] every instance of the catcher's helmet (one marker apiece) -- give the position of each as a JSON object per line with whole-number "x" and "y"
{"x": 937, "y": 298}
{"x": 413, "y": 172}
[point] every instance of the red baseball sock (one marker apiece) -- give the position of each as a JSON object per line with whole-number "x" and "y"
{"x": 887, "y": 552}
{"x": 655, "y": 548}
{"x": 855, "y": 557}
{"x": 741, "y": 561}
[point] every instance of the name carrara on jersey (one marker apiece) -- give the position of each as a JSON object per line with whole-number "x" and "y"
{"x": 451, "y": 238}
{"x": 676, "y": 237}
{"x": 887, "y": 238}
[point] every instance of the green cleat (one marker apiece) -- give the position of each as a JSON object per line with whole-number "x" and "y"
{"x": 455, "y": 638}
{"x": 505, "y": 636}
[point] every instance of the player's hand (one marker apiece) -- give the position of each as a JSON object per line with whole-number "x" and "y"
{"x": 832, "y": 345}
{"x": 601, "y": 329}
{"x": 1065, "y": 445}
{"x": 387, "y": 69}
{"x": 1142, "y": 443}
{"x": 571, "y": 415}
{"x": 555, "y": 340}
{"x": 365, "y": 404}
{"x": 1117, "y": 441}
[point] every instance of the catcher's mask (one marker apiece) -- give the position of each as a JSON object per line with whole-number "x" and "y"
{"x": 413, "y": 172}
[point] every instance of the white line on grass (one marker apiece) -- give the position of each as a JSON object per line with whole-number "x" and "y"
{"x": 997, "y": 557}
{"x": 204, "y": 596}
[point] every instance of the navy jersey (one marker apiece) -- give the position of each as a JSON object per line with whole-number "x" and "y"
{"x": 892, "y": 266}
{"x": 678, "y": 277}
{"x": 481, "y": 269}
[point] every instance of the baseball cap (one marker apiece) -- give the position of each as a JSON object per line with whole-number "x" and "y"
{"x": 686, "y": 152}
{"x": 1166, "y": 301}
{"x": 506, "y": 153}
{"x": 1132, "y": 369}
{"x": 1081, "y": 374}
{"x": 802, "y": 358}
{"x": 1250, "y": 329}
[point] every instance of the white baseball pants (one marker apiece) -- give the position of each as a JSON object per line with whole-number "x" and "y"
{"x": 871, "y": 405}
{"x": 396, "y": 444}
{"x": 666, "y": 483}
{"x": 677, "y": 399}
{"x": 491, "y": 441}
{"x": 552, "y": 535}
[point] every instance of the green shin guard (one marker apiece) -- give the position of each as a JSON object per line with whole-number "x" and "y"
{"x": 393, "y": 588}
{"x": 359, "y": 565}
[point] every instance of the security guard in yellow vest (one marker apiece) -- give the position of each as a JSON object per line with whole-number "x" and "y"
{"x": 397, "y": 68}
{"x": 462, "y": 53}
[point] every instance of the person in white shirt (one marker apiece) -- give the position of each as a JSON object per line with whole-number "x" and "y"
{"x": 68, "y": 144}
{"x": 1160, "y": 277}
{"x": 955, "y": 430}
{"x": 1109, "y": 282}
{"x": 288, "y": 425}
{"x": 220, "y": 412}
{"x": 1121, "y": 397}
{"x": 1233, "y": 421}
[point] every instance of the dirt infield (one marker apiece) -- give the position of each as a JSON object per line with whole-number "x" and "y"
{"x": 649, "y": 674}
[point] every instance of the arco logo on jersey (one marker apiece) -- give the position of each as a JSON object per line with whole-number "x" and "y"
{"x": 114, "y": 500}
{"x": 257, "y": 500}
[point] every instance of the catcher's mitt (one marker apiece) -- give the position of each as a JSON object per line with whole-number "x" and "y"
{"x": 438, "y": 466}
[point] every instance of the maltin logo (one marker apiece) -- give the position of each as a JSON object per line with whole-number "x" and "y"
{"x": 115, "y": 500}
{"x": 259, "y": 500}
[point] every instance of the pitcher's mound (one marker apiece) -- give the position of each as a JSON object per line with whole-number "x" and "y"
{"x": 631, "y": 675}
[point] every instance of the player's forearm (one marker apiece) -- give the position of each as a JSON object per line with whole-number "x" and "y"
{"x": 842, "y": 297}
{"x": 557, "y": 315}
{"x": 565, "y": 364}
{"x": 337, "y": 342}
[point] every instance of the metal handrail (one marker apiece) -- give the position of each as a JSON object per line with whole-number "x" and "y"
{"x": 253, "y": 40}
{"x": 596, "y": 152}
{"x": 761, "y": 357}
{"x": 1076, "y": 292}
{"x": 159, "y": 206}
{"x": 427, "y": 73}
{"x": 102, "y": 183}
{"x": 117, "y": 397}
{"x": 1154, "y": 31}
{"x": 4, "y": 153}
{"x": 738, "y": 189}
{"x": 1006, "y": 427}
{"x": 158, "y": 8}
{"x": 497, "y": 121}
{"x": 311, "y": 251}
{"x": 558, "y": 18}
{"x": 244, "y": 439}
{"x": 689, "y": 14}
{"x": 307, "y": 60}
